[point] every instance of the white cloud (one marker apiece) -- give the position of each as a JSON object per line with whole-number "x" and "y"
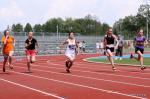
{"x": 112, "y": 10}
{"x": 107, "y": 11}
{"x": 69, "y": 8}
{"x": 11, "y": 10}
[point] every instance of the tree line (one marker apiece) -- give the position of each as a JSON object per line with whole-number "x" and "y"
{"x": 89, "y": 25}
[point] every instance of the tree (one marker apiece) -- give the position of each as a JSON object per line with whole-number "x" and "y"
{"x": 17, "y": 27}
{"x": 144, "y": 10}
{"x": 28, "y": 27}
{"x": 89, "y": 25}
{"x": 37, "y": 28}
{"x": 105, "y": 27}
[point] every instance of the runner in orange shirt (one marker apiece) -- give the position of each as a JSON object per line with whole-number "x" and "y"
{"x": 8, "y": 49}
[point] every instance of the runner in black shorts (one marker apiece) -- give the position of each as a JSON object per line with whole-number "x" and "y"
{"x": 109, "y": 45}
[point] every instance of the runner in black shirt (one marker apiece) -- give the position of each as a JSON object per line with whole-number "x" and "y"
{"x": 30, "y": 45}
{"x": 110, "y": 46}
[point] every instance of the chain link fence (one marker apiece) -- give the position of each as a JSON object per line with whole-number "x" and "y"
{"x": 50, "y": 43}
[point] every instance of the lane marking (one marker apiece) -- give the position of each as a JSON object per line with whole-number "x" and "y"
{"x": 33, "y": 89}
{"x": 93, "y": 78}
{"x": 79, "y": 85}
{"x": 94, "y": 72}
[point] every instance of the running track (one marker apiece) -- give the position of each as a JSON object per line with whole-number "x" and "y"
{"x": 86, "y": 81}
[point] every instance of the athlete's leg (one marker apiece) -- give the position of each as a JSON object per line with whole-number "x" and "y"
{"x": 69, "y": 62}
{"x": 4, "y": 62}
{"x": 141, "y": 59}
{"x": 110, "y": 58}
{"x": 10, "y": 59}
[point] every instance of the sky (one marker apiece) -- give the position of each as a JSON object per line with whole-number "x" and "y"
{"x": 39, "y": 11}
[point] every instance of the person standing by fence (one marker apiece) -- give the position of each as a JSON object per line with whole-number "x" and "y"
{"x": 119, "y": 50}
{"x": 97, "y": 47}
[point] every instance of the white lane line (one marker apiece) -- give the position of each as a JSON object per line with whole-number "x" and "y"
{"x": 86, "y": 60}
{"x": 127, "y": 65}
{"x": 79, "y": 85}
{"x": 92, "y": 72}
{"x": 97, "y": 64}
{"x": 81, "y": 66}
{"x": 33, "y": 89}
{"x": 89, "y": 71}
{"x": 93, "y": 78}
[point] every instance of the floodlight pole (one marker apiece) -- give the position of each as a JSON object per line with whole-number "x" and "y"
{"x": 57, "y": 32}
{"x": 147, "y": 19}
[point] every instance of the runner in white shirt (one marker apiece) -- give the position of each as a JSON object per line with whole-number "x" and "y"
{"x": 70, "y": 51}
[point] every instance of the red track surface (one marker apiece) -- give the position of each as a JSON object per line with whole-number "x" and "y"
{"x": 86, "y": 81}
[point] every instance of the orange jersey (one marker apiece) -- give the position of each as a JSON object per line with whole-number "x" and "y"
{"x": 9, "y": 44}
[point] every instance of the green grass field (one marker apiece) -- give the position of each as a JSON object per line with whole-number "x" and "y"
{"x": 124, "y": 61}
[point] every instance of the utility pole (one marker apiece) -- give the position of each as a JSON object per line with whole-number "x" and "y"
{"x": 147, "y": 18}
{"x": 57, "y": 33}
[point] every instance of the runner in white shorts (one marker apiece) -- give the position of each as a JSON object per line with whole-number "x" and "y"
{"x": 70, "y": 51}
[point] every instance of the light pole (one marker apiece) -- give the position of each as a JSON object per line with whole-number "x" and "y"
{"x": 57, "y": 32}
{"x": 147, "y": 18}
{"x": 147, "y": 28}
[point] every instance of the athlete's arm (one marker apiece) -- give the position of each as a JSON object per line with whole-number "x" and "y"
{"x": 145, "y": 42}
{"x": 5, "y": 41}
{"x": 65, "y": 42}
{"x": 26, "y": 44}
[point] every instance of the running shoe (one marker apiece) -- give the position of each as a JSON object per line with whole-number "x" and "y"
{"x": 113, "y": 68}
{"x": 67, "y": 70}
{"x": 142, "y": 68}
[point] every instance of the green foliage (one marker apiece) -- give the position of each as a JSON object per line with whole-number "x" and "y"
{"x": 37, "y": 28}
{"x": 130, "y": 24}
{"x": 17, "y": 27}
{"x": 124, "y": 61}
{"x": 28, "y": 27}
{"x": 89, "y": 25}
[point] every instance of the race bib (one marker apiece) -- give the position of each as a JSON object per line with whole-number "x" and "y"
{"x": 71, "y": 47}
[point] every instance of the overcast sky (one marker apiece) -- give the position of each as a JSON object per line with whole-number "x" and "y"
{"x": 39, "y": 11}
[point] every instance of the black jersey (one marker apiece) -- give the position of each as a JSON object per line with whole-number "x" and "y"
{"x": 31, "y": 44}
{"x": 109, "y": 40}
